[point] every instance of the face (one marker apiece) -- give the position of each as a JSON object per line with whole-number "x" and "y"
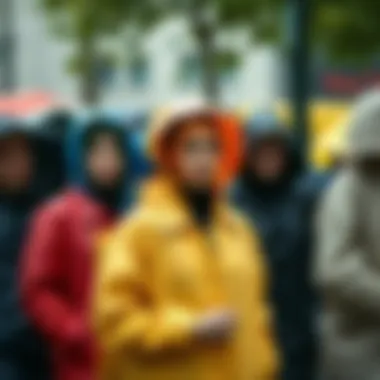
{"x": 16, "y": 164}
{"x": 104, "y": 161}
{"x": 197, "y": 155}
{"x": 268, "y": 161}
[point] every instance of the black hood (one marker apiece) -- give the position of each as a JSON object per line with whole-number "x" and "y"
{"x": 57, "y": 123}
{"x": 47, "y": 152}
{"x": 260, "y": 129}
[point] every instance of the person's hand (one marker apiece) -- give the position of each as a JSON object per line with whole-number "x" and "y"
{"x": 214, "y": 327}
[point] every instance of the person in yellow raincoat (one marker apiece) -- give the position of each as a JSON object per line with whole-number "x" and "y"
{"x": 182, "y": 290}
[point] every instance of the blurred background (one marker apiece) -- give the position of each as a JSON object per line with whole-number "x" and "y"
{"x": 305, "y": 58}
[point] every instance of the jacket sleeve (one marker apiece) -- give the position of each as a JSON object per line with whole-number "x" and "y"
{"x": 269, "y": 359}
{"x": 126, "y": 313}
{"x": 342, "y": 269}
{"x": 42, "y": 271}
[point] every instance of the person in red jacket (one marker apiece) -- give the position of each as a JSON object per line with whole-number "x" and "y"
{"x": 56, "y": 275}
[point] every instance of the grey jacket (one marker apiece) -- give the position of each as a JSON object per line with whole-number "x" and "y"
{"x": 348, "y": 257}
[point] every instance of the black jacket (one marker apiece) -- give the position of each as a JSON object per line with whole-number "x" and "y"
{"x": 22, "y": 352}
{"x": 283, "y": 215}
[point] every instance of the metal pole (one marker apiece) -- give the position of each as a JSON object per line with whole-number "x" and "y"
{"x": 300, "y": 70}
{"x": 203, "y": 27}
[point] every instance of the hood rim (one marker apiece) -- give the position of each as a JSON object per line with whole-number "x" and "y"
{"x": 225, "y": 122}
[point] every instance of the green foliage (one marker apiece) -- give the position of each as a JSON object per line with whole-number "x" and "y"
{"x": 264, "y": 17}
{"x": 348, "y": 29}
{"x": 77, "y": 64}
{"x": 227, "y": 60}
{"x": 87, "y": 22}
{"x": 95, "y": 17}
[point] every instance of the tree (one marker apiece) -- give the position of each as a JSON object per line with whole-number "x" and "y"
{"x": 87, "y": 23}
{"x": 347, "y": 29}
{"x": 208, "y": 17}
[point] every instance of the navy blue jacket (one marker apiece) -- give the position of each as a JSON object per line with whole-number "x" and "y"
{"x": 283, "y": 215}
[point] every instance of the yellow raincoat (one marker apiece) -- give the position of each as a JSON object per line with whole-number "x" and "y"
{"x": 161, "y": 273}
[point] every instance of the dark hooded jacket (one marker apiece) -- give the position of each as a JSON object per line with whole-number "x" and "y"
{"x": 61, "y": 253}
{"x": 22, "y": 355}
{"x": 282, "y": 212}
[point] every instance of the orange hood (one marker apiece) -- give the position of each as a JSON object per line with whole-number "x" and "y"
{"x": 226, "y": 124}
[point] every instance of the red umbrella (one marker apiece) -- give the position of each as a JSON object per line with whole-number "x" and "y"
{"x": 29, "y": 105}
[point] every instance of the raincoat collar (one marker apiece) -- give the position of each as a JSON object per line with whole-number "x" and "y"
{"x": 161, "y": 191}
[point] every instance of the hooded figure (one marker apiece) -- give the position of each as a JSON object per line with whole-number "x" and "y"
{"x": 182, "y": 290}
{"x": 29, "y": 171}
{"x": 348, "y": 259}
{"x": 56, "y": 279}
{"x": 278, "y": 196}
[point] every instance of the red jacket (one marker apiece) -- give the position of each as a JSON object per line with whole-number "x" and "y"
{"x": 56, "y": 279}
